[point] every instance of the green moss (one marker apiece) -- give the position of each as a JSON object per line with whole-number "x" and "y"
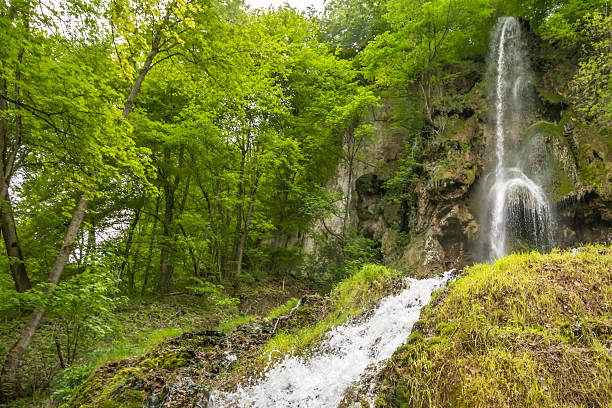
{"x": 592, "y": 155}
{"x": 177, "y": 359}
{"x": 169, "y": 361}
{"x": 231, "y": 324}
{"x": 530, "y": 331}
{"x": 86, "y": 392}
{"x": 381, "y": 403}
{"x": 112, "y": 386}
{"x": 133, "y": 398}
{"x": 563, "y": 184}
{"x": 103, "y": 389}
{"x": 415, "y": 338}
{"x": 283, "y": 309}
{"x": 108, "y": 404}
{"x": 545, "y": 128}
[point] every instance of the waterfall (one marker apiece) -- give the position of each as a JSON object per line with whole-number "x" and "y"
{"x": 339, "y": 362}
{"x": 517, "y": 206}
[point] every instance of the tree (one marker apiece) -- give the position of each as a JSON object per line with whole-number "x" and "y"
{"x": 101, "y": 161}
{"x": 591, "y": 88}
{"x": 11, "y": 131}
{"x": 351, "y": 24}
{"x": 425, "y": 37}
{"x": 224, "y": 151}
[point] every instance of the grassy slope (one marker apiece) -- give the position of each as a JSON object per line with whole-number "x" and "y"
{"x": 531, "y": 330}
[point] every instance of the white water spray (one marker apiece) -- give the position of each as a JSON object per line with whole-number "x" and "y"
{"x": 517, "y": 205}
{"x": 339, "y": 362}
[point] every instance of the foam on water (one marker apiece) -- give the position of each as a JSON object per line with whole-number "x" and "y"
{"x": 341, "y": 359}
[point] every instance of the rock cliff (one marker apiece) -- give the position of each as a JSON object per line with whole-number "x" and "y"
{"x": 440, "y": 227}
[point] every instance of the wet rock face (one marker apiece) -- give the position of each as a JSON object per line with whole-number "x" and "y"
{"x": 441, "y": 229}
{"x": 436, "y": 232}
{"x": 584, "y": 216}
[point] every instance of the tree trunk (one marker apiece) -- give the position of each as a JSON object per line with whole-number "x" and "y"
{"x": 91, "y": 244}
{"x": 132, "y": 265}
{"x": 426, "y": 92}
{"x": 238, "y": 210}
{"x": 128, "y": 244}
{"x": 13, "y": 249}
{"x": 60, "y": 355}
{"x": 199, "y": 262}
{"x": 166, "y": 268}
{"x": 247, "y": 222}
{"x": 150, "y": 257}
{"x": 9, "y": 156}
{"x": 11, "y": 361}
{"x": 243, "y": 237}
{"x": 129, "y": 102}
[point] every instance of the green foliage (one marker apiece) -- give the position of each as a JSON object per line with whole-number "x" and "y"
{"x": 70, "y": 380}
{"x": 424, "y": 40}
{"x": 274, "y": 262}
{"x": 591, "y": 88}
{"x": 123, "y": 346}
{"x": 230, "y": 325}
{"x": 567, "y": 20}
{"x": 283, "y": 309}
{"x": 10, "y": 298}
{"x": 359, "y": 251}
{"x": 400, "y": 188}
{"x": 350, "y": 24}
{"x": 424, "y": 36}
{"x": 81, "y": 309}
{"x": 335, "y": 258}
{"x": 361, "y": 288}
{"x": 214, "y": 295}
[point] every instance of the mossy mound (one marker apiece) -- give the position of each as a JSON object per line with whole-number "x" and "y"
{"x": 531, "y": 330}
{"x": 129, "y": 382}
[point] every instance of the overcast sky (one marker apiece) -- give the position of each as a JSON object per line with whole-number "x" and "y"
{"x": 298, "y": 4}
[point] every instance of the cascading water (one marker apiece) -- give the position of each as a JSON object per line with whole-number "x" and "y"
{"x": 517, "y": 207}
{"x": 341, "y": 359}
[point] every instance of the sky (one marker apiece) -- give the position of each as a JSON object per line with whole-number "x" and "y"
{"x": 298, "y": 4}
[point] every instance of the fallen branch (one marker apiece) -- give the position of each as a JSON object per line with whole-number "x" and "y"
{"x": 278, "y": 319}
{"x": 176, "y": 294}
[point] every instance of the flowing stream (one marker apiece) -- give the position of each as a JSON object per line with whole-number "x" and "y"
{"x": 517, "y": 205}
{"x": 341, "y": 359}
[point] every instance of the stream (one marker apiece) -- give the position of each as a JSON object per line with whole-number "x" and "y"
{"x": 347, "y": 352}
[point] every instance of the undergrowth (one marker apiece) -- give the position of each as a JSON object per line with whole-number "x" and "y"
{"x": 532, "y": 330}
